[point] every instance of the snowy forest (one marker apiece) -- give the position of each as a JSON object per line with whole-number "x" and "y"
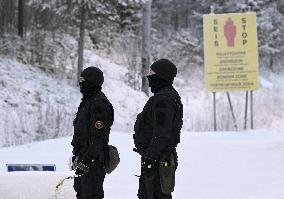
{"x": 45, "y": 44}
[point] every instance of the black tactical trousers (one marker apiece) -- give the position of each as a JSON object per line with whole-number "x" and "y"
{"x": 151, "y": 189}
{"x": 90, "y": 185}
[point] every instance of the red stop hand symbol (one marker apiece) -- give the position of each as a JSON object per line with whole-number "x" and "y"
{"x": 230, "y": 32}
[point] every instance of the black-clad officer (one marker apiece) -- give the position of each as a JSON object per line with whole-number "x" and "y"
{"x": 157, "y": 133}
{"x": 91, "y": 135}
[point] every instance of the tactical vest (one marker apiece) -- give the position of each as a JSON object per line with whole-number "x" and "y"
{"x": 143, "y": 128}
{"x": 178, "y": 118}
{"x": 178, "y": 122}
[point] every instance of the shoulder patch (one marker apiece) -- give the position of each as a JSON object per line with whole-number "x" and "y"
{"x": 99, "y": 124}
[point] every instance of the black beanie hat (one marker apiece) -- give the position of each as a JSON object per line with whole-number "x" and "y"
{"x": 165, "y": 69}
{"x": 93, "y": 75}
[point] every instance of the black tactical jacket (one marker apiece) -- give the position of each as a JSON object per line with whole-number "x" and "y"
{"x": 92, "y": 126}
{"x": 157, "y": 127}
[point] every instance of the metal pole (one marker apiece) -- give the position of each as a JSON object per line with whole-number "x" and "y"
{"x": 214, "y": 110}
{"x": 214, "y": 93}
{"x": 251, "y": 109}
{"x": 231, "y": 107}
{"x": 246, "y": 110}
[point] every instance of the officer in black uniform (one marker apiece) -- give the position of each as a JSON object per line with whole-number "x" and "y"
{"x": 91, "y": 135}
{"x": 157, "y": 133}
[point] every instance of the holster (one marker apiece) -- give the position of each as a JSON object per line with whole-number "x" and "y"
{"x": 167, "y": 168}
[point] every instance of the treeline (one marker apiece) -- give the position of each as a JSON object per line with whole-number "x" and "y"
{"x": 37, "y": 31}
{"x": 19, "y": 16}
{"x": 114, "y": 28}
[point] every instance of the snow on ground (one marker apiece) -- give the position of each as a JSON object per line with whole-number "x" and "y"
{"x": 33, "y": 105}
{"x": 126, "y": 101}
{"x": 221, "y": 165}
{"x": 36, "y": 106}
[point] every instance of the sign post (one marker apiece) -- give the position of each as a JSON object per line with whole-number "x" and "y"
{"x": 231, "y": 53}
{"x": 251, "y": 109}
{"x": 214, "y": 110}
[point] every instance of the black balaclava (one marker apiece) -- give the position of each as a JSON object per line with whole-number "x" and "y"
{"x": 88, "y": 89}
{"x": 155, "y": 82}
{"x": 93, "y": 81}
{"x": 165, "y": 69}
{"x": 165, "y": 73}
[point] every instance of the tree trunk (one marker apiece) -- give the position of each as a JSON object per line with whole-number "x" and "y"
{"x": 81, "y": 43}
{"x": 146, "y": 44}
{"x": 187, "y": 14}
{"x": 176, "y": 17}
{"x": 21, "y": 18}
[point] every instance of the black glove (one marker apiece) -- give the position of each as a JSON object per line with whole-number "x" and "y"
{"x": 148, "y": 165}
{"x": 83, "y": 166}
{"x": 82, "y": 169}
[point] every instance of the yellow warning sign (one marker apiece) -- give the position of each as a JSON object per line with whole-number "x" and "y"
{"x": 230, "y": 52}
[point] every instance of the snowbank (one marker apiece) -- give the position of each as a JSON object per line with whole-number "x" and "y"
{"x": 33, "y": 105}
{"x": 37, "y": 106}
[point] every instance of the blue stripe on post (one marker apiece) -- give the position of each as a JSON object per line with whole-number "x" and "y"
{"x": 30, "y": 167}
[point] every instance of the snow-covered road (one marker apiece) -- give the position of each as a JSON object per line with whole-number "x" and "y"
{"x": 222, "y": 165}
